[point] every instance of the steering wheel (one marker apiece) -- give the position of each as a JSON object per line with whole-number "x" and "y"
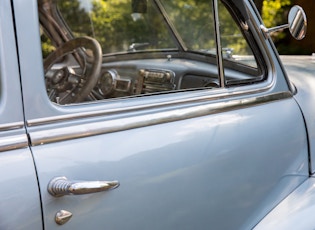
{"x": 64, "y": 85}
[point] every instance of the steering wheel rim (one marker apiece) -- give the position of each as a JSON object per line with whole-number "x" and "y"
{"x": 91, "y": 76}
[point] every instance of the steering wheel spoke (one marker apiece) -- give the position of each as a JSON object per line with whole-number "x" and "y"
{"x": 65, "y": 85}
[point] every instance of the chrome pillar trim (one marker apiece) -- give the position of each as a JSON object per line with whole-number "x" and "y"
{"x": 63, "y": 217}
{"x": 60, "y": 186}
{"x": 147, "y": 119}
{"x": 13, "y": 142}
{"x": 218, "y": 43}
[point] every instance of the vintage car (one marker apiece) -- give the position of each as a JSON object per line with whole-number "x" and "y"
{"x": 153, "y": 114}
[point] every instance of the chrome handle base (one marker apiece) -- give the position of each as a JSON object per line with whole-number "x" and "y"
{"x": 60, "y": 186}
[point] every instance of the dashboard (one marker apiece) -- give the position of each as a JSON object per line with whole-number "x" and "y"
{"x": 127, "y": 78}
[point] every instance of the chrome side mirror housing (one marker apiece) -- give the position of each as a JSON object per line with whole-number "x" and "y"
{"x": 297, "y": 24}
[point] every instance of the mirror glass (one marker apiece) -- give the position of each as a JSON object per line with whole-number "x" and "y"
{"x": 297, "y": 22}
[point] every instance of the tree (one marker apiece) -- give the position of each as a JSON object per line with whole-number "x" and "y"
{"x": 113, "y": 25}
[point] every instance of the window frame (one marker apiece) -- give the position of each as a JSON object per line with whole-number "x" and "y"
{"x": 40, "y": 111}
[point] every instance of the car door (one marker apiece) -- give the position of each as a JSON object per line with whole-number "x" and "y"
{"x": 20, "y": 200}
{"x": 187, "y": 159}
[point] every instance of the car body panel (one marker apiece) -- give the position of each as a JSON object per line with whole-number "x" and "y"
{"x": 195, "y": 159}
{"x": 11, "y": 113}
{"x": 183, "y": 151}
{"x": 295, "y": 212}
{"x": 174, "y": 170}
{"x": 300, "y": 70}
{"x": 20, "y": 206}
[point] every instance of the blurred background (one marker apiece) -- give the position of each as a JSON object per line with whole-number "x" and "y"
{"x": 275, "y": 12}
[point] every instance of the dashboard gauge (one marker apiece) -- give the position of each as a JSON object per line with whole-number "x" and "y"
{"x": 107, "y": 82}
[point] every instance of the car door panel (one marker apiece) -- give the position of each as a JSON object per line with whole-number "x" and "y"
{"x": 184, "y": 174}
{"x": 190, "y": 159}
{"x": 20, "y": 206}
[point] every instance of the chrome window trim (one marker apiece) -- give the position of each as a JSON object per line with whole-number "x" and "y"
{"x": 217, "y": 32}
{"x": 261, "y": 42}
{"x": 103, "y": 109}
{"x": 51, "y": 134}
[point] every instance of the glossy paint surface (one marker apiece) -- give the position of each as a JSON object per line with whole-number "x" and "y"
{"x": 186, "y": 174}
{"x": 225, "y": 169}
{"x": 20, "y": 206}
{"x": 295, "y": 212}
{"x": 301, "y": 73}
{"x": 10, "y": 109}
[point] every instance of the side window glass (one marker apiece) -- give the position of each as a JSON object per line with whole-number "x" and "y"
{"x": 193, "y": 21}
{"x": 98, "y": 50}
{"x": 237, "y": 53}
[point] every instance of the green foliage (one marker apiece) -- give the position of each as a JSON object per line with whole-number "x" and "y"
{"x": 231, "y": 35}
{"x": 109, "y": 20}
{"x": 76, "y": 17}
{"x": 112, "y": 24}
{"x": 274, "y": 13}
{"x": 47, "y": 46}
{"x": 193, "y": 20}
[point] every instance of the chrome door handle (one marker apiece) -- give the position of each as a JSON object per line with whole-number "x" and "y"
{"x": 60, "y": 186}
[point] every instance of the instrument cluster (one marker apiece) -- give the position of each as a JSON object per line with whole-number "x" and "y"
{"x": 112, "y": 83}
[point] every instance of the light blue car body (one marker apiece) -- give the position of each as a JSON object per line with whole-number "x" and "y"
{"x": 232, "y": 158}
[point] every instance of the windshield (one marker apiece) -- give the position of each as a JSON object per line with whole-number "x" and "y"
{"x": 119, "y": 25}
{"x": 194, "y": 22}
{"x": 124, "y": 26}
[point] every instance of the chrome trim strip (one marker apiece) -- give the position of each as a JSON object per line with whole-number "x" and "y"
{"x": 12, "y": 142}
{"x": 11, "y": 126}
{"x": 199, "y": 98}
{"x": 147, "y": 119}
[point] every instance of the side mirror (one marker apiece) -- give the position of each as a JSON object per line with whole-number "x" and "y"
{"x": 297, "y": 24}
